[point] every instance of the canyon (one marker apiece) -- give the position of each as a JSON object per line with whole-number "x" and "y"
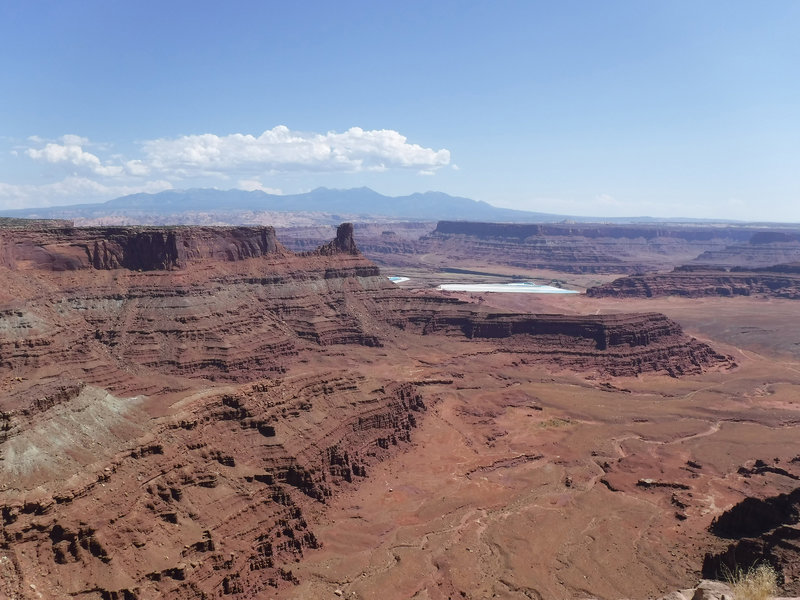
{"x": 658, "y": 260}
{"x": 196, "y": 412}
{"x": 574, "y": 248}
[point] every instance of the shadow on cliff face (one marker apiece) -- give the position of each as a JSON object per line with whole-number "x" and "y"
{"x": 765, "y": 531}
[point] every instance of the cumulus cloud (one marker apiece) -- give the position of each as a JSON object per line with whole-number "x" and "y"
{"x": 71, "y": 151}
{"x": 137, "y": 168}
{"x": 281, "y": 149}
{"x": 251, "y": 185}
{"x": 240, "y": 157}
{"x": 74, "y": 140}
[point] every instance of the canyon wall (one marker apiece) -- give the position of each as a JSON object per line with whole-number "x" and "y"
{"x": 179, "y": 404}
{"x": 230, "y": 304}
{"x": 133, "y": 248}
{"x": 584, "y": 248}
{"x": 566, "y": 247}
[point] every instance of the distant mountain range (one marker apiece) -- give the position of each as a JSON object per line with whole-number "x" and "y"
{"x": 322, "y": 205}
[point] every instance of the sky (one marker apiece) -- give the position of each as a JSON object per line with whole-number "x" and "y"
{"x": 659, "y": 108}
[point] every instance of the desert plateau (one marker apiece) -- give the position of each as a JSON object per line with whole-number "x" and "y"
{"x": 201, "y": 412}
{"x": 357, "y": 300}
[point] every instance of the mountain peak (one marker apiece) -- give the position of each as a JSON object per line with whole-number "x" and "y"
{"x": 343, "y": 243}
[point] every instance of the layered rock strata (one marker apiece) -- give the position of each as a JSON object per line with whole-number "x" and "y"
{"x": 217, "y": 499}
{"x": 232, "y": 304}
{"x": 763, "y": 249}
{"x": 578, "y": 248}
{"x": 565, "y": 247}
{"x": 170, "y": 424}
{"x": 778, "y": 281}
{"x": 572, "y": 248}
{"x": 229, "y": 304}
{"x": 619, "y": 345}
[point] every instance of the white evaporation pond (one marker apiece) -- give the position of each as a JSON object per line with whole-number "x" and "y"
{"x": 517, "y": 288}
{"x": 397, "y": 279}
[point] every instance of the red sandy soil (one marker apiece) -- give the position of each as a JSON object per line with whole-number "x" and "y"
{"x": 513, "y": 505}
{"x": 496, "y": 498}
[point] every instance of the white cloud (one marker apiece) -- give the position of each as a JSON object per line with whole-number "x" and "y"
{"x": 236, "y": 157}
{"x": 67, "y": 153}
{"x": 281, "y": 149}
{"x": 137, "y": 168}
{"x": 74, "y": 140}
{"x": 251, "y": 185}
{"x": 71, "y": 151}
{"x": 276, "y": 150}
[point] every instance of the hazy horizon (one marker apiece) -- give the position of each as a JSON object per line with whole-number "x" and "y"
{"x": 378, "y": 213}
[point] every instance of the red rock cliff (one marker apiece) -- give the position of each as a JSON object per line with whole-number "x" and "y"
{"x": 133, "y": 248}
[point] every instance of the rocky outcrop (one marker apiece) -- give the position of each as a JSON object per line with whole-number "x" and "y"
{"x": 780, "y": 281}
{"x": 789, "y": 268}
{"x": 343, "y": 243}
{"x": 760, "y": 530}
{"x": 394, "y": 244}
{"x": 753, "y": 516}
{"x": 227, "y": 303}
{"x": 707, "y": 589}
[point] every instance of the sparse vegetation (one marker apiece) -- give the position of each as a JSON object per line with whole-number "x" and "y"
{"x": 555, "y": 422}
{"x": 759, "y": 582}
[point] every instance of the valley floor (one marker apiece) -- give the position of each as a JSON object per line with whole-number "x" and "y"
{"x": 525, "y": 483}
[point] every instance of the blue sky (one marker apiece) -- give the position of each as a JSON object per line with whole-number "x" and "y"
{"x": 593, "y": 108}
